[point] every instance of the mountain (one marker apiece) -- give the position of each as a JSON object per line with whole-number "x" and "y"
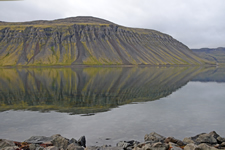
{"x": 211, "y": 54}
{"x": 90, "y": 41}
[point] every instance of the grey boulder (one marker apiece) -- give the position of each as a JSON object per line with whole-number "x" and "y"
{"x": 204, "y": 146}
{"x": 223, "y": 144}
{"x": 105, "y": 147}
{"x": 51, "y": 148}
{"x": 220, "y": 139}
{"x": 151, "y": 146}
{"x": 154, "y": 137}
{"x": 206, "y": 138}
{"x": 127, "y": 144}
{"x": 173, "y": 140}
{"x": 10, "y": 148}
{"x": 60, "y": 142}
{"x": 38, "y": 139}
{"x": 174, "y": 146}
{"x": 74, "y": 146}
{"x": 6, "y": 143}
{"x": 191, "y": 146}
{"x": 210, "y": 138}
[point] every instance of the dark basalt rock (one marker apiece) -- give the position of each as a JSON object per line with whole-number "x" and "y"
{"x": 82, "y": 141}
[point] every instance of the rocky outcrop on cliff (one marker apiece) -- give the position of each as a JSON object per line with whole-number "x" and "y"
{"x": 88, "y": 40}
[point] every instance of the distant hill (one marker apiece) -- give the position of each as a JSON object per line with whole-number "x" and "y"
{"x": 211, "y": 54}
{"x": 89, "y": 41}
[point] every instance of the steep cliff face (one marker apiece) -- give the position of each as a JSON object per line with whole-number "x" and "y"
{"x": 88, "y": 40}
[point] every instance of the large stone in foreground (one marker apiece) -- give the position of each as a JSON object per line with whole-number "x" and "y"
{"x": 73, "y": 146}
{"x": 152, "y": 146}
{"x": 154, "y": 137}
{"x": 210, "y": 138}
{"x": 174, "y": 140}
{"x": 38, "y": 139}
{"x": 191, "y": 146}
{"x": 82, "y": 141}
{"x": 204, "y": 146}
{"x": 127, "y": 144}
{"x": 51, "y": 148}
{"x": 60, "y": 142}
{"x": 103, "y": 148}
{"x": 174, "y": 146}
{"x": 10, "y": 148}
{"x": 206, "y": 138}
{"x": 5, "y": 143}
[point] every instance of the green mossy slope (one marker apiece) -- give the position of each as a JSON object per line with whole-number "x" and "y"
{"x": 90, "y": 41}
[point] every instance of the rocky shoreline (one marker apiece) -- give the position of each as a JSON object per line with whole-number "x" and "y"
{"x": 153, "y": 141}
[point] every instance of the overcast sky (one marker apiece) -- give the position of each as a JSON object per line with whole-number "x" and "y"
{"x": 196, "y": 23}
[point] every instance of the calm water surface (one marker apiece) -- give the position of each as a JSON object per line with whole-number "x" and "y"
{"x": 118, "y": 103}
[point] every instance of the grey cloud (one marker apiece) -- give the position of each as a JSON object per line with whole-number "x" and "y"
{"x": 26, "y": 11}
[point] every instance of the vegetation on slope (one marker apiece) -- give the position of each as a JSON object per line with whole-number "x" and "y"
{"x": 90, "y": 41}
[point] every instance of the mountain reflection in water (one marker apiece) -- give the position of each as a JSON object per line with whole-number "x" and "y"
{"x": 87, "y": 90}
{"x": 211, "y": 75}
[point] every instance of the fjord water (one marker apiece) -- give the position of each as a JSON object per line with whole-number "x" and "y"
{"x": 114, "y": 103}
